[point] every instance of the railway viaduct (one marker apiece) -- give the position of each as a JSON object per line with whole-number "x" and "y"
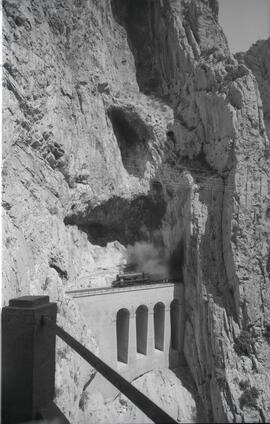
{"x": 138, "y": 328}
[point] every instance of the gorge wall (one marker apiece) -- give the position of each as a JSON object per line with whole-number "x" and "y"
{"x": 257, "y": 58}
{"x": 130, "y": 122}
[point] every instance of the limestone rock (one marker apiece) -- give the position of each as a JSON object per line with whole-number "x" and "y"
{"x": 257, "y": 58}
{"x": 161, "y": 386}
{"x": 124, "y": 120}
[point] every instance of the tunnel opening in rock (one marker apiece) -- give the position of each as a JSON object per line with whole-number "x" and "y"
{"x": 175, "y": 324}
{"x": 122, "y": 335}
{"x": 121, "y": 219}
{"x": 142, "y": 329}
{"x": 159, "y": 321}
{"x": 144, "y": 24}
{"x": 132, "y": 136}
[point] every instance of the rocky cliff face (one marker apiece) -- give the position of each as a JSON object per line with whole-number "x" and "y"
{"x": 126, "y": 122}
{"x": 162, "y": 386}
{"x": 257, "y": 58}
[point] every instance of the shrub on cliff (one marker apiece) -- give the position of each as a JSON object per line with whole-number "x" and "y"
{"x": 83, "y": 400}
{"x": 221, "y": 377}
{"x": 267, "y": 332}
{"x": 244, "y": 344}
{"x": 244, "y": 384}
{"x": 249, "y": 397}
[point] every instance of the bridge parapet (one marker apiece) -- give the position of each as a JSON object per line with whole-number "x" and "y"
{"x": 98, "y": 291}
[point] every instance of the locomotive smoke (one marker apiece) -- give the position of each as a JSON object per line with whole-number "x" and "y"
{"x": 145, "y": 257}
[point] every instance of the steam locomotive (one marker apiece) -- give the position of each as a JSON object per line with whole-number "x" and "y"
{"x": 131, "y": 279}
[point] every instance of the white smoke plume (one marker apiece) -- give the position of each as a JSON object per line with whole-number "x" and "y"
{"x": 145, "y": 257}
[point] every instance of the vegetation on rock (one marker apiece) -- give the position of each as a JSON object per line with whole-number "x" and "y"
{"x": 249, "y": 398}
{"x": 244, "y": 344}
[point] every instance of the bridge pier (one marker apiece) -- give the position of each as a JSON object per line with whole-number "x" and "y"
{"x": 167, "y": 330}
{"x": 132, "y": 339}
{"x": 151, "y": 332}
{"x": 112, "y": 342}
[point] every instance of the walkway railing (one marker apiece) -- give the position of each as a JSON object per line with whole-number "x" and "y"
{"x": 29, "y": 332}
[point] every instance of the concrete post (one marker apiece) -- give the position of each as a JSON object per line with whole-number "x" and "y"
{"x": 167, "y": 330}
{"x": 132, "y": 345}
{"x": 28, "y": 358}
{"x": 150, "y": 332}
{"x": 113, "y": 343}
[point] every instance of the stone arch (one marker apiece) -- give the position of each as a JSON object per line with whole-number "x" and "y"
{"x": 122, "y": 334}
{"x": 175, "y": 324}
{"x": 142, "y": 329}
{"x": 159, "y": 322}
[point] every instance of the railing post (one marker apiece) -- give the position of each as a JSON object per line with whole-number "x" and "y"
{"x": 28, "y": 358}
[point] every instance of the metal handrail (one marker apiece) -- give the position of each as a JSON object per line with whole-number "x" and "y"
{"x": 148, "y": 407}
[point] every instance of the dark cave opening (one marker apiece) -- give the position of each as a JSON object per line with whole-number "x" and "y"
{"x": 121, "y": 219}
{"x": 132, "y": 136}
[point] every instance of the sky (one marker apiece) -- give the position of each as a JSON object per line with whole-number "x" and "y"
{"x": 244, "y": 22}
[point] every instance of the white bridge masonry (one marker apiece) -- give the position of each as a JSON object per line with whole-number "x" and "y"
{"x": 138, "y": 328}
